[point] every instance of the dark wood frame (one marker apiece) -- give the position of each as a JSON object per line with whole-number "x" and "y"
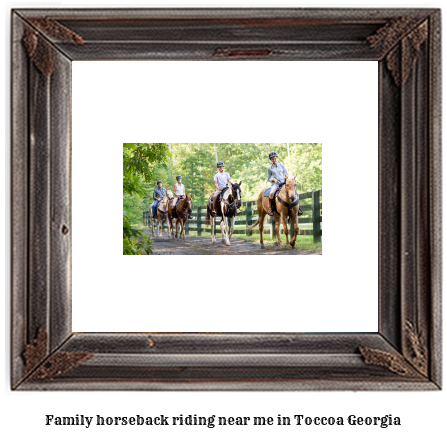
{"x": 405, "y": 354}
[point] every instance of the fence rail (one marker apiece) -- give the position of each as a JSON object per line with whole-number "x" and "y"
{"x": 249, "y": 215}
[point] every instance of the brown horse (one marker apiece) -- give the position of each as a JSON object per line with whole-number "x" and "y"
{"x": 181, "y": 213}
{"x": 285, "y": 201}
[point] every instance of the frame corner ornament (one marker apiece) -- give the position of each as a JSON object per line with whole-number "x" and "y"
{"x": 41, "y": 366}
{"x": 39, "y": 50}
{"x": 416, "y": 348}
{"x": 400, "y": 39}
{"x": 396, "y": 363}
{"x": 36, "y": 351}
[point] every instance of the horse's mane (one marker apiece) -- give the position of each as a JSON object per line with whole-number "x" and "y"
{"x": 227, "y": 194}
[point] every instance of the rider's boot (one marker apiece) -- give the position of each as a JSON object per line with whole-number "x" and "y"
{"x": 270, "y": 212}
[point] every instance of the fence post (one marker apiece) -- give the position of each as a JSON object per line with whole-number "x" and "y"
{"x": 199, "y": 221}
{"x": 316, "y": 216}
{"x": 187, "y": 228}
{"x": 248, "y": 219}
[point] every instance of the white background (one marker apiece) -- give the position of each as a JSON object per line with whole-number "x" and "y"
{"x": 221, "y": 102}
{"x": 422, "y": 414}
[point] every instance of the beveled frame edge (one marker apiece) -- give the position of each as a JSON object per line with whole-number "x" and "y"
{"x": 41, "y": 310}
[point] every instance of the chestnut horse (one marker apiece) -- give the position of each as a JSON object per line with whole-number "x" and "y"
{"x": 161, "y": 214}
{"x": 226, "y": 209}
{"x": 287, "y": 205}
{"x": 181, "y": 213}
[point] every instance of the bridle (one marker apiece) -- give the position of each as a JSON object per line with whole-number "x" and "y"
{"x": 284, "y": 193}
{"x": 238, "y": 195}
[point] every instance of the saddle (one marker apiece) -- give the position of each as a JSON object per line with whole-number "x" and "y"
{"x": 174, "y": 207}
{"x": 219, "y": 196}
{"x": 178, "y": 200}
{"x": 267, "y": 191}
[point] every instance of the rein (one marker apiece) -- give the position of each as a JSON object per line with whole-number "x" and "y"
{"x": 234, "y": 198}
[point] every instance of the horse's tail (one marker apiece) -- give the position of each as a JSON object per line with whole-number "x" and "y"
{"x": 254, "y": 225}
{"x": 208, "y": 217}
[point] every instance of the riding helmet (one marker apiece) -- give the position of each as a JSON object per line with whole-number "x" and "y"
{"x": 272, "y": 154}
{"x": 159, "y": 181}
{"x": 178, "y": 177}
{"x": 220, "y": 163}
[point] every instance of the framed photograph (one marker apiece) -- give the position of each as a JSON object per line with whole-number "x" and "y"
{"x": 190, "y": 347}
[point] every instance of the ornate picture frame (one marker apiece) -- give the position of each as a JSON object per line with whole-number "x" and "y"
{"x": 405, "y": 353}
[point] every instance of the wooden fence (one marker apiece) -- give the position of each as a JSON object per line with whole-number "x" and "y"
{"x": 312, "y": 214}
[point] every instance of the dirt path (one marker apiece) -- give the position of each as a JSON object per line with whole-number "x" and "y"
{"x": 203, "y": 246}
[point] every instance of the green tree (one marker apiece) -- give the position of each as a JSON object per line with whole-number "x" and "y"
{"x": 140, "y": 164}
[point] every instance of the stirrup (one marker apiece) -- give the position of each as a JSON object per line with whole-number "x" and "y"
{"x": 270, "y": 212}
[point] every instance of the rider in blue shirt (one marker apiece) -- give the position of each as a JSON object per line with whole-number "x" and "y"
{"x": 276, "y": 175}
{"x": 159, "y": 194}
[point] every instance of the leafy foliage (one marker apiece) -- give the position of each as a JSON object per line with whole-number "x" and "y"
{"x": 134, "y": 241}
{"x": 140, "y": 163}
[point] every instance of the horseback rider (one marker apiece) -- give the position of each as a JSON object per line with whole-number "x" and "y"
{"x": 159, "y": 194}
{"x": 179, "y": 193}
{"x": 221, "y": 181}
{"x": 276, "y": 175}
{"x": 179, "y": 190}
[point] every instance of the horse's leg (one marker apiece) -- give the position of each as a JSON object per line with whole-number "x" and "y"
{"x": 286, "y": 229}
{"x": 278, "y": 230}
{"x": 172, "y": 227}
{"x": 222, "y": 204}
{"x": 261, "y": 226}
{"x": 169, "y": 223}
{"x": 182, "y": 233}
{"x": 222, "y": 227}
{"x": 213, "y": 240}
{"x": 232, "y": 220}
{"x": 261, "y": 214}
{"x": 169, "y": 227}
{"x": 176, "y": 227}
{"x": 295, "y": 225}
{"x": 225, "y": 221}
